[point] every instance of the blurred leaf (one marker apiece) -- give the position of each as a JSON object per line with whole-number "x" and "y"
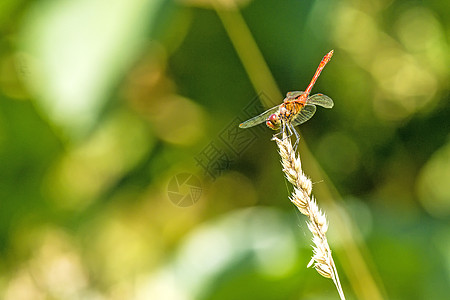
{"x": 80, "y": 49}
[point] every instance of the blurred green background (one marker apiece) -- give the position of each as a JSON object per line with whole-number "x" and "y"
{"x": 123, "y": 174}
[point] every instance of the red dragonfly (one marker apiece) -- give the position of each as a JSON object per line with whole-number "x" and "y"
{"x": 297, "y": 108}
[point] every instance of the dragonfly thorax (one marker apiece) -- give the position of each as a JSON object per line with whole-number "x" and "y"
{"x": 289, "y": 110}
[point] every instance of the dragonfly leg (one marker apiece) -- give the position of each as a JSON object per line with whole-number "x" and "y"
{"x": 297, "y": 138}
{"x": 289, "y": 131}
{"x": 281, "y": 131}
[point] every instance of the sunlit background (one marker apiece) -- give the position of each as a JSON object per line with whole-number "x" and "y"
{"x": 123, "y": 174}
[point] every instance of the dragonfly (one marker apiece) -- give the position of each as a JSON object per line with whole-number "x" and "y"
{"x": 297, "y": 108}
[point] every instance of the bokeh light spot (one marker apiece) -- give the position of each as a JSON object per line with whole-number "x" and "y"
{"x": 433, "y": 186}
{"x": 339, "y": 153}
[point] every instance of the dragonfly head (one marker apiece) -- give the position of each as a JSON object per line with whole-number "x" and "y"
{"x": 273, "y": 122}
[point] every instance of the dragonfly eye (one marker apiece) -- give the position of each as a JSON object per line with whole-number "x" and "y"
{"x": 273, "y": 117}
{"x": 273, "y": 122}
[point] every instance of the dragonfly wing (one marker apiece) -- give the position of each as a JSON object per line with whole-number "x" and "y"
{"x": 320, "y": 99}
{"x": 259, "y": 119}
{"x": 304, "y": 115}
{"x": 294, "y": 94}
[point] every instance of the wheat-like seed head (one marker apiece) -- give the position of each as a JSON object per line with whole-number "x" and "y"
{"x": 301, "y": 197}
